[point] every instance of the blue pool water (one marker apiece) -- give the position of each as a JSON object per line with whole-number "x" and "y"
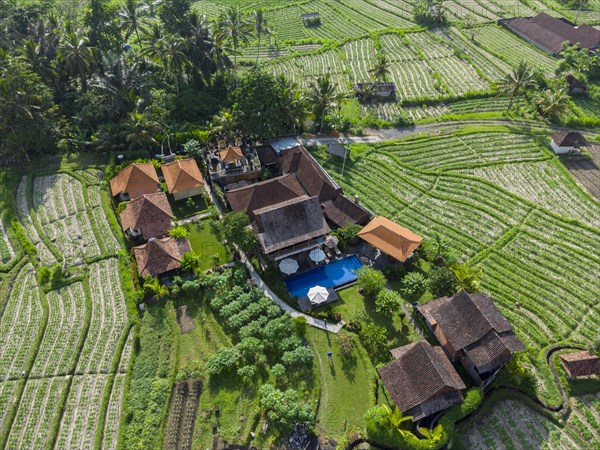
{"x": 330, "y": 275}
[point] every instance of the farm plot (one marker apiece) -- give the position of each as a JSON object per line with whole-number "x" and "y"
{"x": 459, "y": 10}
{"x": 37, "y": 411}
{"x": 58, "y": 350}
{"x": 109, "y": 316}
{"x": 81, "y": 412}
{"x": 510, "y": 48}
{"x": 183, "y": 409}
{"x": 60, "y": 208}
{"x": 20, "y": 323}
{"x": 7, "y": 252}
{"x": 107, "y": 237}
{"x": 7, "y": 397}
{"x": 360, "y": 56}
{"x": 547, "y": 184}
{"x": 113, "y": 413}
{"x": 44, "y": 254}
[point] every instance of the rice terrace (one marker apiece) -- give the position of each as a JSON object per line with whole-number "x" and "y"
{"x": 307, "y": 224}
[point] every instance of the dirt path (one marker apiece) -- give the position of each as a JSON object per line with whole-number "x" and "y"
{"x": 324, "y": 394}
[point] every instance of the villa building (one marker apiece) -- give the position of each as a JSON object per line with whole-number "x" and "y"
{"x": 183, "y": 178}
{"x": 397, "y": 242}
{"x": 148, "y": 216}
{"x": 133, "y": 181}
{"x": 160, "y": 256}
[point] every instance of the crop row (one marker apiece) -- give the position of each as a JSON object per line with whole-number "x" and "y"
{"x": 19, "y": 325}
{"x": 63, "y": 331}
{"x": 113, "y": 413}
{"x": 44, "y": 255}
{"x": 81, "y": 412}
{"x": 7, "y": 397}
{"x": 547, "y": 185}
{"x": 6, "y": 249}
{"x": 37, "y": 411}
{"x": 108, "y": 319}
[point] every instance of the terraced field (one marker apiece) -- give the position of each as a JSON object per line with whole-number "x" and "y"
{"x": 63, "y": 351}
{"x": 530, "y": 244}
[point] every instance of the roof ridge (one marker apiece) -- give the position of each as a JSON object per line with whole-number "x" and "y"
{"x": 156, "y": 205}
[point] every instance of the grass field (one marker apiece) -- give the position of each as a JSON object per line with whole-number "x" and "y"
{"x": 531, "y": 251}
{"x": 206, "y": 244}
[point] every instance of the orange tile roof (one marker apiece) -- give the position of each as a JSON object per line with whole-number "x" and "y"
{"x": 182, "y": 175}
{"x": 231, "y": 154}
{"x": 390, "y": 238}
{"x": 136, "y": 179}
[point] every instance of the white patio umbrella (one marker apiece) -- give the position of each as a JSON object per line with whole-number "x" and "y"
{"x": 331, "y": 241}
{"x": 317, "y": 255}
{"x": 288, "y": 266}
{"x": 317, "y": 295}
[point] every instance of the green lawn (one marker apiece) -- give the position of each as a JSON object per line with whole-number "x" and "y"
{"x": 205, "y": 243}
{"x": 347, "y": 384}
{"x": 187, "y": 207}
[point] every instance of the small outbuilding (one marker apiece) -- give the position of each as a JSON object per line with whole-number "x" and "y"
{"x": 392, "y": 239}
{"x": 134, "y": 180}
{"x": 581, "y": 364}
{"x": 183, "y": 178}
{"x": 337, "y": 150}
{"x": 161, "y": 256}
{"x": 576, "y": 86}
{"x": 566, "y": 142}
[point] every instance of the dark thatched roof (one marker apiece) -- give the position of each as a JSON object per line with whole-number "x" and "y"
{"x": 313, "y": 178}
{"x": 550, "y": 32}
{"x": 266, "y": 193}
{"x": 472, "y": 322}
{"x": 267, "y": 155}
{"x": 288, "y": 223}
{"x": 159, "y": 256}
{"x": 421, "y": 380}
{"x": 343, "y": 211}
{"x": 150, "y": 213}
{"x": 581, "y": 364}
{"x": 569, "y": 139}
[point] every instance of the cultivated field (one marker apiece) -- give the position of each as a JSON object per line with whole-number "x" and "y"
{"x": 64, "y": 349}
{"x": 536, "y": 249}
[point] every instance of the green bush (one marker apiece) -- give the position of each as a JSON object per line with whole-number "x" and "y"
{"x": 441, "y": 281}
{"x": 284, "y": 408}
{"x": 388, "y": 302}
{"x": 224, "y": 360}
{"x": 414, "y": 284}
{"x": 370, "y": 281}
{"x": 178, "y": 232}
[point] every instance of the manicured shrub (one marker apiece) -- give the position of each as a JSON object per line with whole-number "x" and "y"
{"x": 370, "y": 281}
{"x": 388, "y": 302}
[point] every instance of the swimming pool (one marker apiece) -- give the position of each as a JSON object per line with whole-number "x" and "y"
{"x": 330, "y": 275}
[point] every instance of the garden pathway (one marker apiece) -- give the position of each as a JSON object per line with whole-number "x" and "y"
{"x": 193, "y": 218}
{"x": 313, "y": 322}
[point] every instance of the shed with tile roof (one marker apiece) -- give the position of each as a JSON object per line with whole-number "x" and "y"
{"x": 391, "y": 238}
{"x": 183, "y": 178}
{"x": 581, "y": 364}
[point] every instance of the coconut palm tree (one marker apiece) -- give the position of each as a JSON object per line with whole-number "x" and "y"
{"x": 138, "y": 130}
{"x": 322, "y": 94}
{"x": 260, "y": 27}
{"x": 521, "y": 78}
{"x": 550, "y": 103}
{"x": 173, "y": 56}
{"x": 133, "y": 19}
{"x": 234, "y": 28}
{"x": 381, "y": 69}
{"x": 395, "y": 419}
{"x": 297, "y": 108}
{"x": 202, "y": 42}
{"x": 226, "y": 123}
{"x": 468, "y": 276}
{"x": 77, "y": 56}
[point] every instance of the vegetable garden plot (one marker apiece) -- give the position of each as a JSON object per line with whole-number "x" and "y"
{"x": 108, "y": 239}
{"x": 109, "y": 316}
{"x": 44, "y": 255}
{"x": 60, "y": 207}
{"x": 113, "y": 413}
{"x": 458, "y": 10}
{"x": 458, "y": 76}
{"x": 413, "y": 80}
{"x": 360, "y": 56}
{"x": 19, "y": 325}
{"x": 395, "y": 49}
{"x": 381, "y": 15}
{"x": 7, "y": 397}
{"x": 63, "y": 331}
{"x": 37, "y": 411}
{"x": 546, "y": 184}
{"x": 81, "y": 412}
{"x": 398, "y": 8}
{"x": 512, "y": 49}
{"x": 6, "y": 249}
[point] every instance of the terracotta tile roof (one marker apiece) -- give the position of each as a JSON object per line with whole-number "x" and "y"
{"x": 150, "y": 213}
{"x": 267, "y": 155}
{"x": 136, "y": 179}
{"x": 472, "y": 322}
{"x": 343, "y": 211}
{"x": 550, "y": 32}
{"x": 569, "y": 139}
{"x": 420, "y": 374}
{"x": 182, "y": 175}
{"x": 390, "y": 238}
{"x": 265, "y": 193}
{"x": 314, "y": 179}
{"x": 581, "y": 364}
{"x": 288, "y": 223}
{"x": 231, "y": 154}
{"x": 160, "y": 255}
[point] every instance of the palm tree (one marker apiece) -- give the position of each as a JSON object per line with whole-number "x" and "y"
{"x": 468, "y": 276}
{"x": 381, "y": 69}
{"x": 226, "y": 124}
{"x": 202, "y": 42}
{"x": 322, "y": 94}
{"x": 154, "y": 287}
{"x": 236, "y": 29}
{"x": 520, "y": 79}
{"x": 173, "y": 56}
{"x": 260, "y": 27}
{"x": 134, "y": 17}
{"x": 31, "y": 53}
{"x": 77, "y": 56}
{"x": 551, "y": 103}
{"x": 395, "y": 419}
{"x": 297, "y": 108}
{"x": 138, "y": 130}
